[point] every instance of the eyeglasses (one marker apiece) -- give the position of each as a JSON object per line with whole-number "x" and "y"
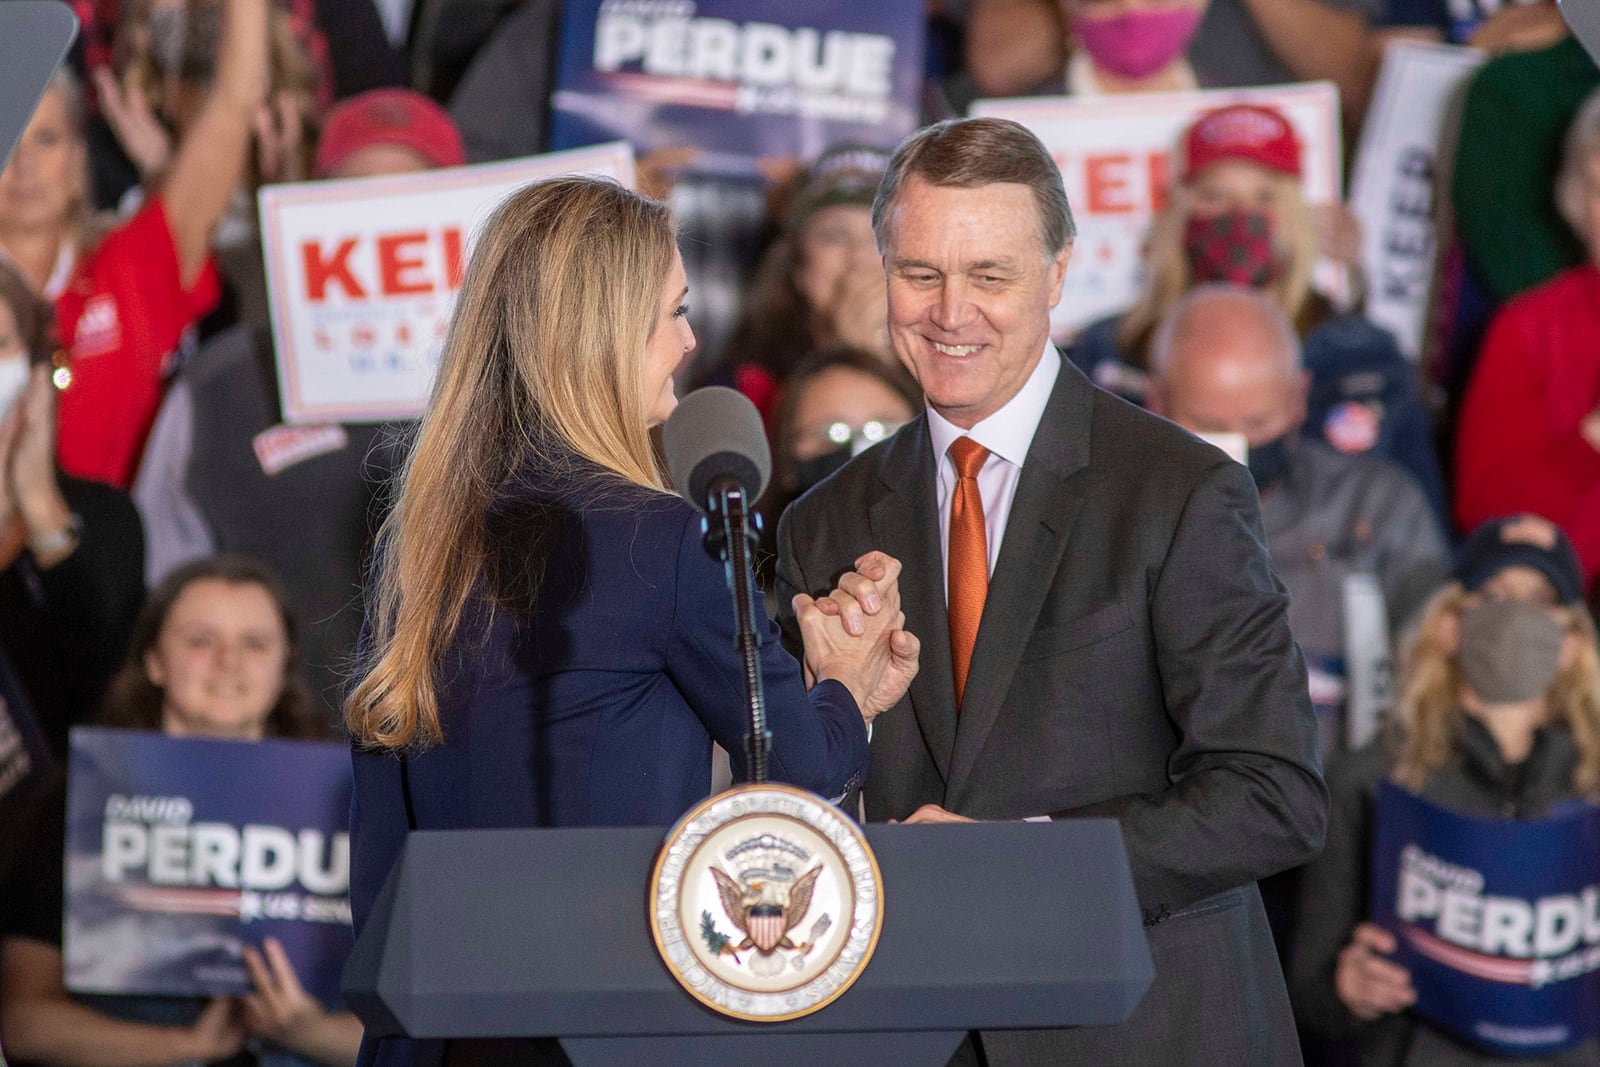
{"x": 820, "y": 437}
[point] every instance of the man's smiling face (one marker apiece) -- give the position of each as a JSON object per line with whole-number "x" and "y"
{"x": 970, "y": 291}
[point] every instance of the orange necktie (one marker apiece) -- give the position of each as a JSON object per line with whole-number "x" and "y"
{"x": 968, "y": 558}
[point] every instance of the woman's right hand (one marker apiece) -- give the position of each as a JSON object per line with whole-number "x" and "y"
{"x": 1369, "y": 985}
{"x": 856, "y": 635}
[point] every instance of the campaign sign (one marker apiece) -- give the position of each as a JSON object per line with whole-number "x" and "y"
{"x": 738, "y": 79}
{"x": 1497, "y": 920}
{"x": 362, "y": 276}
{"x": 1114, "y": 153}
{"x": 181, "y": 851}
{"x": 1394, "y": 182}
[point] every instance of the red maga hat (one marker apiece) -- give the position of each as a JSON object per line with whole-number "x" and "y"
{"x": 1249, "y": 132}
{"x": 389, "y": 116}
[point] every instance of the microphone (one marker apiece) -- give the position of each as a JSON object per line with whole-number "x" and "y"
{"x": 718, "y": 456}
{"x": 714, "y": 441}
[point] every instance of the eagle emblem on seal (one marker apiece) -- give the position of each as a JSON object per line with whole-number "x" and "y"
{"x": 765, "y": 909}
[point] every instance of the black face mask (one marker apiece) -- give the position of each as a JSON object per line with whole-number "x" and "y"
{"x": 1269, "y": 462}
{"x": 809, "y": 472}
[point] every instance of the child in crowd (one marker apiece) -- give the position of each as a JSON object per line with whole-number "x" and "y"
{"x": 213, "y": 654}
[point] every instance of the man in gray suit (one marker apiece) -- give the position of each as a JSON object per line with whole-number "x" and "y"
{"x": 1102, "y": 632}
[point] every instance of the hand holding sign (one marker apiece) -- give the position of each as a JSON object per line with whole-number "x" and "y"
{"x": 281, "y": 1011}
{"x": 1370, "y": 985}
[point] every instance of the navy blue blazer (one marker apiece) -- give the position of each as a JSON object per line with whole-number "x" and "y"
{"x": 597, "y": 694}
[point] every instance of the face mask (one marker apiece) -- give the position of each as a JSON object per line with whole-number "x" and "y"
{"x": 808, "y": 472}
{"x": 1234, "y": 247}
{"x": 13, "y": 380}
{"x": 1510, "y": 650}
{"x": 1269, "y": 461}
{"x": 1140, "y": 43}
{"x": 167, "y": 29}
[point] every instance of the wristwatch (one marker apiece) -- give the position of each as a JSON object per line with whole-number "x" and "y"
{"x": 58, "y": 542}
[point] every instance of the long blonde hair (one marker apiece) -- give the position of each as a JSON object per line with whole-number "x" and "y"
{"x": 1430, "y": 696}
{"x": 1168, "y": 277}
{"x": 543, "y": 364}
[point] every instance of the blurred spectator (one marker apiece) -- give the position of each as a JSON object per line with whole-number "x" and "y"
{"x": 1017, "y": 47}
{"x": 1492, "y": 25}
{"x": 1499, "y": 715}
{"x": 833, "y": 407}
{"x": 224, "y": 473}
{"x": 502, "y": 102}
{"x": 166, "y": 64}
{"x": 1529, "y": 436}
{"x": 71, "y": 551}
{"x": 820, "y": 283}
{"x": 1237, "y": 214}
{"x": 1227, "y": 361}
{"x": 124, "y": 299}
{"x": 1516, "y": 112}
{"x": 213, "y": 655}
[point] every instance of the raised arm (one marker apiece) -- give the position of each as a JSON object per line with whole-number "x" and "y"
{"x": 211, "y": 157}
{"x": 1318, "y": 42}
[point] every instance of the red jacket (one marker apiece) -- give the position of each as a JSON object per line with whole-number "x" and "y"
{"x": 1518, "y": 447}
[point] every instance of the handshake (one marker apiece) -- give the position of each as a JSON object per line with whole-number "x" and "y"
{"x": 856, "y": 635}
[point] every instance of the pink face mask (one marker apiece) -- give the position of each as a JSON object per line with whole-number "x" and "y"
{"x": 1140, "y": 43}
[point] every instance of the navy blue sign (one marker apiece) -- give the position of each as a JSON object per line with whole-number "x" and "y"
{"x": 738, "y": 79}
{"x": 1497, "y": 920}
{"x": 181, "y": 851}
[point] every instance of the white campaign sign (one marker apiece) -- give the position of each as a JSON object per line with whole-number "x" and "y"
{"x": 1393, "y": 184}
{"x": 362, "y": 277}
{"x": 1113, "y": 152}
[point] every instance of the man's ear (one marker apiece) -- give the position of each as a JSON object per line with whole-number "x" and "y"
{"x": 1057, "y": 273}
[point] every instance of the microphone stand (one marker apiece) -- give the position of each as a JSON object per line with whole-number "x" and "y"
{"x": 730, "y": 532}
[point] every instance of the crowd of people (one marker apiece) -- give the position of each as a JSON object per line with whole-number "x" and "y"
{"x": 164, "y": 567}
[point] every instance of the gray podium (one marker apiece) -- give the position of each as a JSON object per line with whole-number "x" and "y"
{"x": 545, "y": 933}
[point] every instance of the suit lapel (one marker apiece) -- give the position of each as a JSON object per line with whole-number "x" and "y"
{"x": 905, "y": 523}
{"x": 1043, "y": 511}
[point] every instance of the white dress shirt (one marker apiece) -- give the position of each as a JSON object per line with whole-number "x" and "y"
{"x": 1007, "y": 434}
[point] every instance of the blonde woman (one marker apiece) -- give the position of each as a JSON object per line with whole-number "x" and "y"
{"x": 550, "y": 645}
{"x": 1499, "y": 715}
{"x": 1237, "y": 214}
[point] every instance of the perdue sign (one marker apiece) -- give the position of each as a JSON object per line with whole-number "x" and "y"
{"x": 362, "y": 277}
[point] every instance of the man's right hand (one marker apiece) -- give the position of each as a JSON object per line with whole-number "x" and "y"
{"x": 1369, "y": 985}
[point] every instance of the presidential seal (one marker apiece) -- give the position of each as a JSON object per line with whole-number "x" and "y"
{"x": 766, "y": 902}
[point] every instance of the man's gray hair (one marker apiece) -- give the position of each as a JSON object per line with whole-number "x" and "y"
{"x": 1578, "y": 157}
{"x": 1173, "y": 323}
{"x": 970, "y": 152}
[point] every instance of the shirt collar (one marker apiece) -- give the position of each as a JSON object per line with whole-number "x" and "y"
{"x": 1009, "y": 431}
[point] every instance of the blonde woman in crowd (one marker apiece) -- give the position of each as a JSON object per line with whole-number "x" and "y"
{"x": 1499, "y": 715}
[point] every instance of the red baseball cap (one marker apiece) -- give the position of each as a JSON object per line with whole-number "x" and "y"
{"x": 389, "y": 116}
{"x": 1249, "y": 132}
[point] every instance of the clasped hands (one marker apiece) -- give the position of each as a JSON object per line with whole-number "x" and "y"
{"x": 856, "y": 635}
